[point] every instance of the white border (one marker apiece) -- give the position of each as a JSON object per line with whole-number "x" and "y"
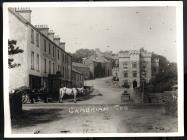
{"x": 179, "y": 19}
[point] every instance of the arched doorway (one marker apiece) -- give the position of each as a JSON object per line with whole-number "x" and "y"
{"x": 134, "y": 84}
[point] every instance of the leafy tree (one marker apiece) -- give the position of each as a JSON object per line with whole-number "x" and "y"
{"x": 166, "y": 77}
{"x": 82, "y": 53}
{"x": 12, "y": 50}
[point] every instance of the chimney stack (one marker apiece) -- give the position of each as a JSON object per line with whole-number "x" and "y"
{"x": 43, "y": 28}
{"x": 57, "y": 40}
{"x": 24, "y": 12}
{"x": 51, "y": 35}
{"x": 62, "y": 45}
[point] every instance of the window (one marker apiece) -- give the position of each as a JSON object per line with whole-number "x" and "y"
{"x": 126, "y": 74}
{"x": 126, "y": 81}
{"x": 58, "y": 67}
{"x": 53, "y": 68}
{"x": 37, "y": 39}
{"x": 53, "y": 51}
{"x": 49, "y": 67}
{"x": 37, "y": 62}
{"x": 62, "y": 56}
{"x": 134, "y": 65}
{"x": 125, "y": 65}
{"x": 32, "y": 60}
{"x": 45, "y": 65}
{"x": 32, "y": 36}
{"x": 154, "y": 69}
{"x": 63, "y": 72}
{"x": 49, "y": 48}
{"x": 65, "y": 59}
{"x": 134, "y": 74}
{"x": 58, "y": 54}
{"x": 44, "y": 45}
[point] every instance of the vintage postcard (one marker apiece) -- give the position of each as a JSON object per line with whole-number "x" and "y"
{"x": 93, "y": 69}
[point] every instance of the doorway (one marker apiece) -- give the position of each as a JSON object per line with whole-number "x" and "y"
{"x": 134, "y": 84}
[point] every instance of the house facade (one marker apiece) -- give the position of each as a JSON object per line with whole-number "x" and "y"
{"x": 83, "y": 69}
{"x": 77, "y": 78}
{"x": 99, "y": 66}
{"x": 134, "y": 67}
{"x": 44, "y": 58}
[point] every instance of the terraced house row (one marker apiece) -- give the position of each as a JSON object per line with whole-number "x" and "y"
{"x": 44, "y": 62}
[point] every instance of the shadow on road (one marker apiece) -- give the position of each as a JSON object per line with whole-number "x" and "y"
{"x": 35, "y": 116}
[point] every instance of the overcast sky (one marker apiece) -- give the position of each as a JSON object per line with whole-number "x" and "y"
{"x": 117, "y": 28}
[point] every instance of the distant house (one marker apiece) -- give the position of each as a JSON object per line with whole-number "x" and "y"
{"x": 83, "y": 69}
{"x": 77, "y": 78}
{"x": 99, "y": 66}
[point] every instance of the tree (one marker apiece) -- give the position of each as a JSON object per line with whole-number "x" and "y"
{"x": 166, "y": 77}
{"x": 82, "y": 53}
{"x": 12, "y": 50}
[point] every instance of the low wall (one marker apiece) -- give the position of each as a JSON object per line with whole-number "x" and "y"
{"x": 15, "y": 104}
{"x": 168, "y": 98}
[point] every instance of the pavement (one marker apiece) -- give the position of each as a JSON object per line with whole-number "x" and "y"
{"x": 99, "y": 112}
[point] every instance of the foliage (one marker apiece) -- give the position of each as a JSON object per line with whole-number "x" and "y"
{"x": 166, "y": 77}
{"x": 12, "y": 50}
{"x": 82, "y": 53}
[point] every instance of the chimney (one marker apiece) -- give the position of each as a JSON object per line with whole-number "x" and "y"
{"x": 62, "y": 45}
{"x": 43, "y": 29}
{"x": 51, "y": 35}
{"x": 25, "y": 13}
{"x": 57, "y": 40}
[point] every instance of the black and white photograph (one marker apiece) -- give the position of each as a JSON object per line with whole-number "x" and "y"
{"x": 93, "y": 69}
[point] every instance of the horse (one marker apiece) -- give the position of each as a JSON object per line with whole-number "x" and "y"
{"x": 81, "y": 91}
{"x": 68, "y": 91}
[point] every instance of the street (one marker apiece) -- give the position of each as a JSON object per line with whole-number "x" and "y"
{"x": 100, "y": 112}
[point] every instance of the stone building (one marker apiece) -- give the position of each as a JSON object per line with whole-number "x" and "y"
{"x": 77, "y": 78}
{"x": 44, "y": 60}
{"x": 83, "y": 69}
{"x": 99, "y": 66}
{"x": 135, "y": 66}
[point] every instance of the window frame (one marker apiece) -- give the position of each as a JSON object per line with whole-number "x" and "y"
{"x": 134, "y": 72}
{"x": 37, "y": 39}
{"x": 45, "y": 45}
{"x": 32, "y": 36}
{"x": 134, "y": 65}
{"x": 38, "y": 62}
{"x": 32, "y": 60}
{"x": 125, "y": 74}
{"x": 45, "y": 65}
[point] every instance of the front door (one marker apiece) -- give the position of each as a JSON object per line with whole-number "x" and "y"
{"x": 134, "y": 84}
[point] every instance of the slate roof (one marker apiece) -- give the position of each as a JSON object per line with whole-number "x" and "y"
{"x": 79, "y": 65}
{"x": 75, "y": 70}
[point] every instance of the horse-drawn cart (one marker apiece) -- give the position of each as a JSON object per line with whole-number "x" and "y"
{"x": 34, "y": 95}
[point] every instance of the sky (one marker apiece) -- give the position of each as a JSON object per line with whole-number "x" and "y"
{"x": 112, "y": 28}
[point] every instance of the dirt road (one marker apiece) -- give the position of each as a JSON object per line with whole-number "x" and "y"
{"x": 101, "y": 112}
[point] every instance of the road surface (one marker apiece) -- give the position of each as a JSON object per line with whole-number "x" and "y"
{"x": 101, "y": 112}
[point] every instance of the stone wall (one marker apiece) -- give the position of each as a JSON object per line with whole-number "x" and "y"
{"x": 168, "y": 98}
{"x": 15, "y": 104}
